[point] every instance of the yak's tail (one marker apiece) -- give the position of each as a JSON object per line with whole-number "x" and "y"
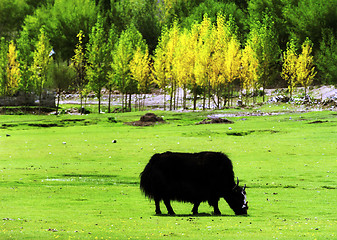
{"x": 147, "y": 180}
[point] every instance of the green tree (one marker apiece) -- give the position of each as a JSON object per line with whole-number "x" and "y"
{"x": 62, "y": 77}
{"x": 267, "y": 49}
{"x": 128, "y": 42}
{"x": 62, "y": 21}
{"x": 3, "y": 65}
{"x": 41, "y": 64}
{"x": 12, "y": 14}
{"x": 25, "y": 57}
{"x": 326, "y": 58}
{"x": 79, "y": 65}
{"x": 97, "y": 67}
{"x": 307, "y": 18}
{"x": 112, "y": 40}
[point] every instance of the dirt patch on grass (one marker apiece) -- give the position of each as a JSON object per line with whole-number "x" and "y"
{"x": 216, "y": 120}
{"x": 148, "y": 119}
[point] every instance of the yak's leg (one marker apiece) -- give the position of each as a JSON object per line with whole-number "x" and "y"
{"x": 195, "y": 208}
{"x": 214, "y": 204}
{"x": 169, "y": 207}
{"x": 157, "y": 202}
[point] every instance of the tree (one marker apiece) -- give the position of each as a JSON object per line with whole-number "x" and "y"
{"x": 128, "y": 42}
{"x": 170, "y": 51}
{"x": 97, "y": 67}
{"x": 62, "y": 76}
{"x": 111, "y": 43}
{"x": 203, "y": 56}
{"x": 79, "y": 65}
{"x": 326, "y": 58}
{"x": 41, "y": 63}
{"x": 3, "y": 65}
{"x": 13, "y": 74}
{"x": 140, "y": 69}
{"x": 232, "y": 62}
{"x": 159, "y": 59}
{"x": 305, "y": 65}
{"x": 184, "y": 61}
{"x": 267, "y": 50}
{"x": 222, "y": 33}
{"x": 12, "y": 14}
{"x": 289, "y": 67}
{"x": 249, "y": 68}
{"x": 25, "y": 57}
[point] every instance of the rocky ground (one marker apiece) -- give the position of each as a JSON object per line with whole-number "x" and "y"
{"x": 325, "y": 96}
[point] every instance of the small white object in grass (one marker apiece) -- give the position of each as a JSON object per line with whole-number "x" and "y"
{"x": 229, "y": 128}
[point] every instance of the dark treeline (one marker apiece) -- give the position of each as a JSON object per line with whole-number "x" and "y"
{"x": 61, "y": 21}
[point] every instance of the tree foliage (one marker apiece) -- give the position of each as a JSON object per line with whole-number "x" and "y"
{"x": 41, "y": 63}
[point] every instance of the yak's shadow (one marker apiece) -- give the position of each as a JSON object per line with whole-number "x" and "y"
{"x": 199, "y": 215}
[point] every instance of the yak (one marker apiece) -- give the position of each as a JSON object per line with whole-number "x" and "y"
{"x": 194, "y": 178}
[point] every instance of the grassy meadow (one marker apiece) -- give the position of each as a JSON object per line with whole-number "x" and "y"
{"x": 64, "y": 177}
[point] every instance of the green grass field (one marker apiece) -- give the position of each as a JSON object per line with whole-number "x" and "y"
{"x": 63, "y": 177}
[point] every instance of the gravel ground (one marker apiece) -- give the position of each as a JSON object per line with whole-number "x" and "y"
{"x": 156, "y": 100}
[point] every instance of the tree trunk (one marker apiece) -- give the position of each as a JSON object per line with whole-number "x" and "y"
{"x": 58, "y": 102}
{"x": 109, "y": 105}
{"x": 99, "y": 101}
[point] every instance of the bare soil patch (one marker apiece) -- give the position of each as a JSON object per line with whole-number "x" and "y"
{"x": 215, "y": 120}
{"x": 148, "y": 119}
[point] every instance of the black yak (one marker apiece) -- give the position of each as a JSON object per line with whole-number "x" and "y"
{"x": 195, "y": 178}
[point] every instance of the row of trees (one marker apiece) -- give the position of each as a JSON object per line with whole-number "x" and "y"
{"x": 127, "y": 45}
{"x": 207, "y": 59}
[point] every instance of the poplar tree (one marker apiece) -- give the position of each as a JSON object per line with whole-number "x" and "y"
{"x": 128, "y": 42}
{"x": 267, "y": 49}
{"x": 41, "y": 63}
{"x": 170, "y": 51}
{"x": 204, "y": 51}
{"x": 25, "y": 57}
{"x": 3, "y": 64}
{"x": 79, "y": 64}
{"x": 305, "y": 66}
{"x": 97, "y": 64}
{"x": 249, "y": 66}
{"x": 159, "y": 64}
{"x": 140, "y": 69}
{"x": 13, "y": 74}
{"x": 289, "y": 67}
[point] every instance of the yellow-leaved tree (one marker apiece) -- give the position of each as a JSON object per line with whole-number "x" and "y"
{"x": 170, "y": 51}
{"x": 249, "y": 72}
{"x": 305, "y": 66}
{"x": 289, "y": 67}
{"x": 204, "y": 49}
{"x": 13, "y": 73}
{"x": 222, "y": 35}
{"x": 184, "y": 61}
{"x": 159, "y": 64}
{"x": 140, "y": 70}
{"x": 232, "y": 64}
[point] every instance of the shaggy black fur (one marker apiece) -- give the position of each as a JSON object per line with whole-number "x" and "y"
{"x": 192, "y": 177}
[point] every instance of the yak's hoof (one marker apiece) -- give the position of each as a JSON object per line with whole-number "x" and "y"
{"x": 172, "y": 213}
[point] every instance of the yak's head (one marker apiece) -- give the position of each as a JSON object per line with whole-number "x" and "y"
{"x": 237, "y": 199}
